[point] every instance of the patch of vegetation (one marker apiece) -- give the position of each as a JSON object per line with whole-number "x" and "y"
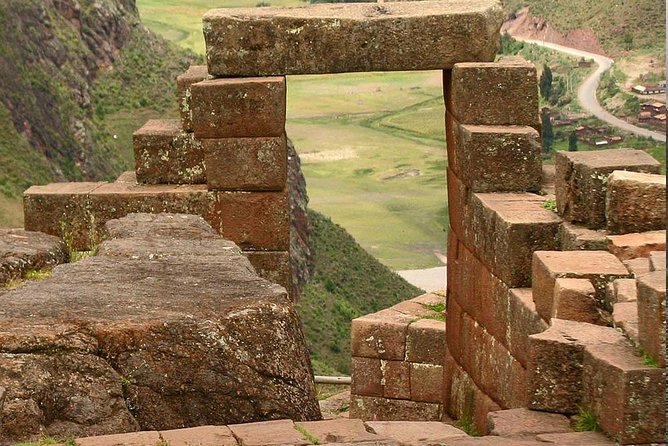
{"x": 649, "y": 360}
{"x": 306, "y": 434}
{"x": 550, "y": 205}
{"x": 346, "y": 282}
{"x": 465, "y": 422}
{"x": 585, "y": 421}
{"x": 48, "y": 441}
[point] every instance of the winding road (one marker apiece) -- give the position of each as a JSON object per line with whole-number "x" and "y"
{"x": 587, "y": 90}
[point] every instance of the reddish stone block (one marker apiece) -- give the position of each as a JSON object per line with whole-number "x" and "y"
{"x": 657, "y": 260}
{"x": 339, "y": 430}
{"x": 164, "y": 154}
{"x": 471, "y": 87}
{"x": 638, "y": 266}
{"x": 575, "y": 238}
{"x": 396, "y": 379}
{"x": 386, "y": 409}
{"x": 493, "y": 296}
{"x": 632, "y": 246}
{"x": 273, "y": 266}
{"x": 625, "y": 318}
{"x": 523, "y": 320}
{"x": 454, "y": 335}
{"x": 205, "y": 435}
{"x": 621, "y": 290}
{"x": 413, "y": 432}
{"x": 195, "y": 73}
{"x": 380, "y": 335}
{"x": 246, "y": 163}
{"x": 60, "y": 209}
{"x": 129, "y": 439}
{"x": 367, "y": 377}
{"x": 459, "y": 198}
{"x": 239, "y": 107}
{"x": 425, "y": 342}
{"x": 635, "y": 202}
{"x": 599, "y": 267}
{"x": 625, "y": 395}
{"x": 256, "y": 221}
{"x": 498, "y": 158}
{"x": 575, "y": 300}
{"x": 466, "y": 271}
{"x": 576, "y": 439}
{"x": 426, "y": 383}
{"x": 652, "y": 315}
{"x": 506, "y": 229}
{"x": 268, "y": 433}
{"x": 525, "y": 424}
{"x": 581, "y": 179}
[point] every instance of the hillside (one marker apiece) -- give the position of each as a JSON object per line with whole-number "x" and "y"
{"x": 78, "y": 78}
{"x": 346, "y": 282}
{"x": 620, "y": 25}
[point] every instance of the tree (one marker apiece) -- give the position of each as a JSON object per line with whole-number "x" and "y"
{"x": 573, "y": 142}
{"x": 548, "y": 133}
{"x": 545, "y": 83}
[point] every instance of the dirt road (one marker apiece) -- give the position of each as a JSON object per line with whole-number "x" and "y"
{"x": 587, "y": 90}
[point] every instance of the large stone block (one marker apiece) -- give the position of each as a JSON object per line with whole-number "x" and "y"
{"x": 173, "y": 328}
{"x": 388, "y": 409}
{"x": 273, "y": 266}
{"x": 652, "y": 315}
{"x": 23, "y": 251}
{"x": 523, "y": 320}
{"x": 575, "y": 300}
{"x": 575, "y": 238}
{"x": 251, "y": 164}
{"x": 498, "y": 158}
{"x": 505, "y": 230}
{"x": 470, "y": 88}
{"x": 380, "y": 335}
{"x": 581, "y": 180}
{"x": 425, "y": 342}
{"x": 636, "y": 245}
{"x": 184, "y": 82}
{"x": 599, "y": 267}
{"x": 426, "y": 382}
{"x": 524, "y": 424}
{"x": 238, "y": 107}
{"x": 166, "y": 154}
{"x": 357, "y": 37}
{"x": 635, "y": 202}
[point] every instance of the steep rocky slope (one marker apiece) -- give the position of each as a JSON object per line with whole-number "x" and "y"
{"x": 65, "y": 66}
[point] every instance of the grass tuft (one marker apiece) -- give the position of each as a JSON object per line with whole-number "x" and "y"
{"x": 307, "y": 435}
{"x": 585, "y": 421}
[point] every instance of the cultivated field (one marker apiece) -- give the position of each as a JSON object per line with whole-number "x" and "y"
{"x": 373, "y": 145}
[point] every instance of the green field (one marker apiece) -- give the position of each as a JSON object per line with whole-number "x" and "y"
{"x": 372, "y": 144}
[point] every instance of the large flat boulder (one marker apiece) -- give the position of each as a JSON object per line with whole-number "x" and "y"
{"x": 168, "y": 327}
{"x": 330, "y": 38}
{"x": 22, "y": 251}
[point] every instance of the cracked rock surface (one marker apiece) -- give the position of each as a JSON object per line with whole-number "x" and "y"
{"x": 168, "y": 327}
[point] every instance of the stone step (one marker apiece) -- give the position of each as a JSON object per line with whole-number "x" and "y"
{"x": 652, "y": 315}
{"x": 24, "y": 251}
{"x": 165, "y": 154}
{"x": 635, "y": 202}
{"x": 168, "y": 326}
{"x": 525, "y": 424}
{"x": 256, "y": 221}
{"x": 636, "y": 245}
{"x": 364, "y": 37}
{"x": 575, "y": 366}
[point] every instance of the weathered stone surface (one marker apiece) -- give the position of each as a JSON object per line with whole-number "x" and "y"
{"x": 492, "y": 440}
{"x": 470, "y": 87}
{"x": 200, "y": 436}
{"x": 133, "y": 439}
{"x": 652, "y": 315}
{"x": 525, "y": 424}
{"x": 339, "y": 431}
{"x": 22, "y": 251}
{"x": 367, "y": 377}
{"x": 269, "y": 433}
{"x": 621, "y": 290}
{"x": 170, "y": 329}
{"x": 555, "y": 364}
{"x": 359, "y": 37}
{"x": 506, "y": 229}
{"x": 574, "y": 238}
{"x": 599, "y": 267}
{"x": 386, "y": 409}
{"x": 273, "y": 266}
{"x": 195, "y": 73}
{"x": 425, "y": 341}
{"x": 380, "y": 335}
{"x": 416, "y": 433}
{"x": 634, "y": 245}
{"x": 426, "y": 382}
{"x": 581, "y": 179}
{"x": 523, "y": 320}
{"x": 638, "y": 266}
{"x": 246, "y": 163}
{"x": 635, "y": 202}
{"x": 575, "y": 300}
{"x": 634, "y": 413}
{"x": 397, "y": 379}
{"x": 165, "y": 154}
{"x": 625, "y": 317}
{"x": 576, "y": 439}
{"x": 657, "y": 260}
{"x": 497, "y": 158}
{"x": 238, "y": 107}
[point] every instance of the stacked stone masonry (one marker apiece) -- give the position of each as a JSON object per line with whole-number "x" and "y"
{"x": 397, "y": 363}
